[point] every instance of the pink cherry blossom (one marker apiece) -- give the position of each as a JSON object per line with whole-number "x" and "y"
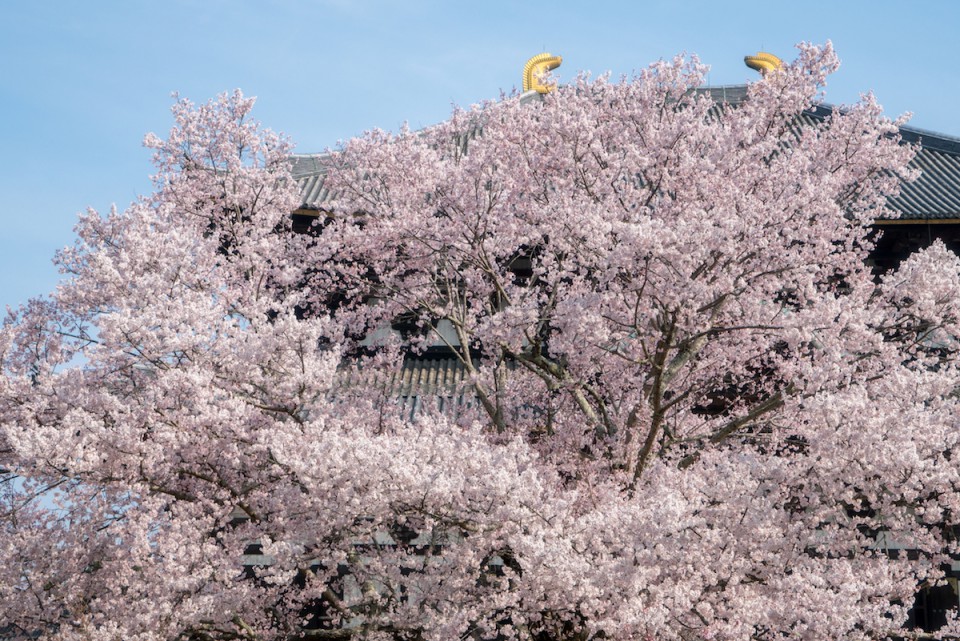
{"x": 687, "y": 408}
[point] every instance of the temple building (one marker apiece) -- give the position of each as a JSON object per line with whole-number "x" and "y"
{"x": 927, "y": 209}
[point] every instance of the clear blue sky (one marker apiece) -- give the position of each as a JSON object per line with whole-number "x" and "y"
{"x": 82, "y": 82}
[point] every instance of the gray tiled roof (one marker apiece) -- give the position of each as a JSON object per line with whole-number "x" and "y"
{"x": 934, "y": 195}
{"x": 309, "y": 173}
{"x": 444, "y": 375}
{"x": 443, "y": 379}
{"x": 313, "y": 195}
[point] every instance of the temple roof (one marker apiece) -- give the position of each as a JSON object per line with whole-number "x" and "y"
{"x": 935, "y": 195}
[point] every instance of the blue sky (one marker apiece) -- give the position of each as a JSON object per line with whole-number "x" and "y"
{"x": 82, "y": 82}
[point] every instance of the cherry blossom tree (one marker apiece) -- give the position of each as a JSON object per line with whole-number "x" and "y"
{"x": 698, "y": 414}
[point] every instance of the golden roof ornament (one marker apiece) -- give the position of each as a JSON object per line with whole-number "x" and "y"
{"x": 763, "y": 62}
{"x": 536, "y": 69}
